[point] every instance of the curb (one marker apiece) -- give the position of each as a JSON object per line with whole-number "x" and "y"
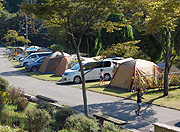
{"x": 46, "y": 98}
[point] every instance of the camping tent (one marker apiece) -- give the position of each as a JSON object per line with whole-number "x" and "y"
{"x": 63, "y": 65}
{"x": 126, "y": 71}
{"x": 173, "y": 68}
{"x": 51, "y": 62}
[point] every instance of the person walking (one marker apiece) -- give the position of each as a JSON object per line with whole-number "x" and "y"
{"x": 139, "y": 97}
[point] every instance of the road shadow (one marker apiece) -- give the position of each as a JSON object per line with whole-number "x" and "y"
{"x": 62, "y": 83}
{"x": 177, "y": 124}
{"x": 13, "y": 73}
{"x": 124, "y": 111}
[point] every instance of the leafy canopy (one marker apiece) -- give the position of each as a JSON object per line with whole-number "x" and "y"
{"x": 152, "y": 15}
{"x": 12, "y": 37}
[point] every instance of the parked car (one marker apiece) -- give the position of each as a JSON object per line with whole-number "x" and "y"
{"x": 91, "y": 70}
{"x": 32, "y": 57}
{"x": 34, "y": 66}
{"x": 24, "y": 54}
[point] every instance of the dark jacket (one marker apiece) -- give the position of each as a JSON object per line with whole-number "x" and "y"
{"x": 139, "y": 97}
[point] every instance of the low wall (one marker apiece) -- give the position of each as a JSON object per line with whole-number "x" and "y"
{"x": 161, "y": 127}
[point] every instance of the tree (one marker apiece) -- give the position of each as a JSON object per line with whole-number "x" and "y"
{"x": 1, "y": 5}
{"x": 154, "y": 17}
{"x": 118, "y": 36}
{"x": 127, "y": 49}
{"x": 75, "y": 17}
{"x": 12, "y": 38}
{"x": 149, "y": 45}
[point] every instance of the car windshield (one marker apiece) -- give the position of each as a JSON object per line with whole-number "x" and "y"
{"x": 75, "y": 67}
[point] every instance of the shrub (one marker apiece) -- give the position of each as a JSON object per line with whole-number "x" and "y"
{"x": 16, "y": 97}
{"x": 62, "y": 114}
{"x": 37, "y": 119}
{"x": 9, "y": 129}
{"x": 15, "y": 94}
{"x": 80, "y": 123}
{"x": 174, "y": 80}
{"x": 46, "y": 106}
{"x": 110, "y": 127}
{"x": 22, "y": 103}
{"x": 3, "y": 100}
{"x": 1, "y": 105}
{"x": 4, "y": 84}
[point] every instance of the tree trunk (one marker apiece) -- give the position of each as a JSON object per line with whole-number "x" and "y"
{"x": 167, "y": 64}
{"x": 166, "y": 81}
{"x": 83, "y": 86}
{"x": 82, "y": 73}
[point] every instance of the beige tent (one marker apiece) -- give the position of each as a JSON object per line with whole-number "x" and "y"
{"x": 123, "y": 76}
{"x": 63, "y": 65}
{"x": 51, "y": 62}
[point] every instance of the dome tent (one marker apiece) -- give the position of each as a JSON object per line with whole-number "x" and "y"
{"x": 126, "y": 71}
{"x": 51, "y": 62}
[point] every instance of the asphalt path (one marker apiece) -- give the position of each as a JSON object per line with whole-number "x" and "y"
{"x": 64, "y": 93}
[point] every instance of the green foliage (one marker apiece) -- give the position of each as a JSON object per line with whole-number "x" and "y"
{"x": 110, "y": 127}
{"x": 10, "y": 129}
{"x": 57, "y": 47}
{"x": 1, "y": 104}
{"x": 149, "y": 45}
{"x": 37, "y": 119}
{"x": 12, "y": 38}
{"x": 127, "y": 49}
{"x": 4, "y": 84}
{"x": 22, "y": 103}
{"x": 62, "y": 114}
{"x": 80, "y": 123}
{"x": 175, "y": 80}
{"x": 46, "y": 106}
{"x": 118, "y": 36}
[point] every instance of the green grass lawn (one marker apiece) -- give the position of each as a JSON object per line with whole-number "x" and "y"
{"x": 154, "y": 96}
{"x": 46, "y": 77}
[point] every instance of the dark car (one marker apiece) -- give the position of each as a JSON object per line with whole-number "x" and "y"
{"x": 34, "y": 66}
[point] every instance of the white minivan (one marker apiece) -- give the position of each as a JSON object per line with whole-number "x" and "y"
{"x": 32, "y": 57}
{"x": 91, "y": 70}
{"x": 24, "y": 54}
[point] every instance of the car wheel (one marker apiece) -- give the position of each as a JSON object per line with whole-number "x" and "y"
{"x": 34, "y": 69}
{"x": 107, "y": 77}
{"x": 77, "y": 79}
{"x": 25, "y": 64}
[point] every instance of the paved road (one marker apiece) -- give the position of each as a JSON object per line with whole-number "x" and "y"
{"x": 65, "y": 94}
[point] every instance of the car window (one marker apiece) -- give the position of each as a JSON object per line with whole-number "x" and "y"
{"x": 75, "y": 67}
{"x": 107, "y": 63}
{"x": 101, "y": 64}
{"x": 96, "y": 65}
{"x": 41, "y": 60}
{"x": 33, "y": 56}
{"x": 40, "y": 55}
{"x": 87, "y": 66}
